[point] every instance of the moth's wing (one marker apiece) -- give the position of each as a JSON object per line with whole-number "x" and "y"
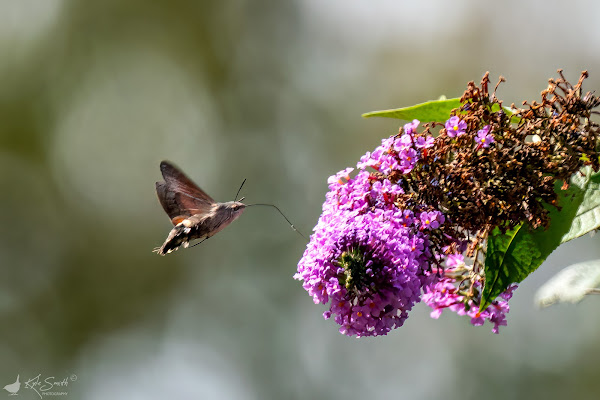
{"x": 179, "y": 196}
{"x": 181, "y": 183}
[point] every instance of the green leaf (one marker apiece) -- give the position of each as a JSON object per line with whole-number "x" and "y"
{"x": 587, "y": 218}
{"x": 570, "y": 285}
{"x": 431, "y": 111}
{"x": 512, "y": 256}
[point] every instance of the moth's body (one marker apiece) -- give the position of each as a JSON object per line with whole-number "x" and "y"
{"x": 193, "y": 212}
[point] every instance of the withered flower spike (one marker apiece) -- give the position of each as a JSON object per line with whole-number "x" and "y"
{"x": 511, "y": 181}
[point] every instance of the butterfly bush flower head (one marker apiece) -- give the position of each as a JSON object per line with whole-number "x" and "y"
{"x": 369, "y": 259}
{"x": 366, "y": 257}
{"x": 455, "y": 127}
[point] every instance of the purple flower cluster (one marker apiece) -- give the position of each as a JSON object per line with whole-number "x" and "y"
{"x": 366, "y": 257}
{"x": 443, "y": 293}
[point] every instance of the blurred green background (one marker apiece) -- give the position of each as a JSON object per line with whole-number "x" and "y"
{"x": 94, "y": 94}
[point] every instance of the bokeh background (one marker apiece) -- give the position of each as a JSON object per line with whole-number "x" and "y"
{"x": 94, "y": 94}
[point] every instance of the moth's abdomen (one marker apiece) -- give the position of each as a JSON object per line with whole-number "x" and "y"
{"x": 180, "y": 235}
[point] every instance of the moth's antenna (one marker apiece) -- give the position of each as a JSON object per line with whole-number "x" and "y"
{"x": 238, "y": 192}
{"x": 282, "y": 214}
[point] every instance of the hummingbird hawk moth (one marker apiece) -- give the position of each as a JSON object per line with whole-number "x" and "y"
{"x": 194, "y": 214}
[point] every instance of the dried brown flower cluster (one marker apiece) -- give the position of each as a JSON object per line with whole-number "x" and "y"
{"x": 511, "y": 181}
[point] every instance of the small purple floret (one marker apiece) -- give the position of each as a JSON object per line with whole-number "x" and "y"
{"x": 484, "y": 138}
{"x": 455, "y": 127}
{"x": 431, "y": 220}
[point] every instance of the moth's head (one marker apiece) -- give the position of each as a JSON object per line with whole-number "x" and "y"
{"x": 234, "y": 207}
